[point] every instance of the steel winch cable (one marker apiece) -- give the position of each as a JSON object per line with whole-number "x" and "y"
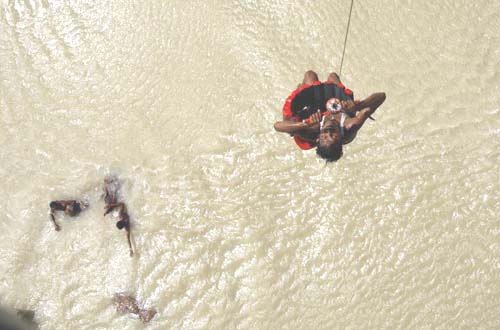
{"x": 345, "y": 40}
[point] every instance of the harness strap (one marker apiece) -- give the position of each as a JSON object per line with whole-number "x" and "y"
{"x": 342, "y": 120}
{"x": 319, "y": 97}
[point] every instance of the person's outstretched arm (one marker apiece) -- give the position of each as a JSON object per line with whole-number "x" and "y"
{"x": 373, "y": 102}
{"x": 364, "y": 110}
{"x": 293, "y": 127}
{"x": 290, "y": 127}
{"x": 110, "y": 207}
{"x": 56, "y": 226}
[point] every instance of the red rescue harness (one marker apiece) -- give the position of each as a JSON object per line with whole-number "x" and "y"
{"x": 308, "y": 99}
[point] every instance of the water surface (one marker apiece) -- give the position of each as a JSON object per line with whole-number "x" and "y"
{"x": 235, "y": 227}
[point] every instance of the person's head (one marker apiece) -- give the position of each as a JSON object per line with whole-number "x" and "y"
{"x": 55, "y": 205}
{"x": 73, "y": 209}
{"x": 329, "y": 141}
{"x": 121, "y": 224}
{"x": 330, "y": 153}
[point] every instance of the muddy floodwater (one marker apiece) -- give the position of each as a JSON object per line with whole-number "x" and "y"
{"x": 234, "y": 227}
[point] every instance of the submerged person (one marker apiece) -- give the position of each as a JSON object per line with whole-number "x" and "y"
{"x": 71, "y": 208}
{"x": 123, "y": 220}
{"x": 325, "y": 115}
{"x": 111, "y": 189}
{"x": 127, "y": 304}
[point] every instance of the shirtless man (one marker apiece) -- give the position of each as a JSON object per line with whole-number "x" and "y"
{"x": 328, "y": 132}
{"x": 311, "y": 77}
{"x": 123, "y": 222}
{"x": 70, "y": 207}
{"x": 339, "y": 128}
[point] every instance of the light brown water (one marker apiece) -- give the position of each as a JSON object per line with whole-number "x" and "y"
{"x": 235, "y": 227}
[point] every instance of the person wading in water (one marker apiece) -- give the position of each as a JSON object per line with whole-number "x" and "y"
{"x": 111, "y": 187}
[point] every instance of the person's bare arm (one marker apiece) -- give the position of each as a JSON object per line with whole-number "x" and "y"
{"x": 290, "y": 126}
{"x": 373, "y": 102}
{"x": 297, "y": 127}
{"x": 56, "y": 226}
{"x": 364, "y": 110}
{"x": 110, "y": 207}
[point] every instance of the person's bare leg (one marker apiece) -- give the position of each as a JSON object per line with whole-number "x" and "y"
{"x": 334, "y": 77}
{"x": 131, "y": 251}
{"x": 309, "y": 77}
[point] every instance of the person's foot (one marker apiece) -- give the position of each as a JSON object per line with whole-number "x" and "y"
{"x": 146, "y": 315}
{"x": 334, "y": 77}
{"x": 310, "y": 77}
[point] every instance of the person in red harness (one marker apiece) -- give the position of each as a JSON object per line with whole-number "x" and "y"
{"x": 324, "y": 115}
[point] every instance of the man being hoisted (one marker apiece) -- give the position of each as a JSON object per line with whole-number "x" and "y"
{"x": 325, "y": 116}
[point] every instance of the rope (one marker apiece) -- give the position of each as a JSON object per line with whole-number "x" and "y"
{"x": 346, "y": 34}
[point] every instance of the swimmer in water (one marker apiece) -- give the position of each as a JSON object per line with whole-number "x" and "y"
{"x": 70, "y": 207}
{"x": 127, "y": 304}
{"x": 123, "y": 222}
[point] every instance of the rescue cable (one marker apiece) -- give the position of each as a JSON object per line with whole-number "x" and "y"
{"x": 345, "y": 40}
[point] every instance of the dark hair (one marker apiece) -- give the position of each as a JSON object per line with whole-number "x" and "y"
{"x": 76, "y": 207}
{"x": 330, "y": 153}
{"x": 55, "y": 205}
{"x": 120, "y": 224}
